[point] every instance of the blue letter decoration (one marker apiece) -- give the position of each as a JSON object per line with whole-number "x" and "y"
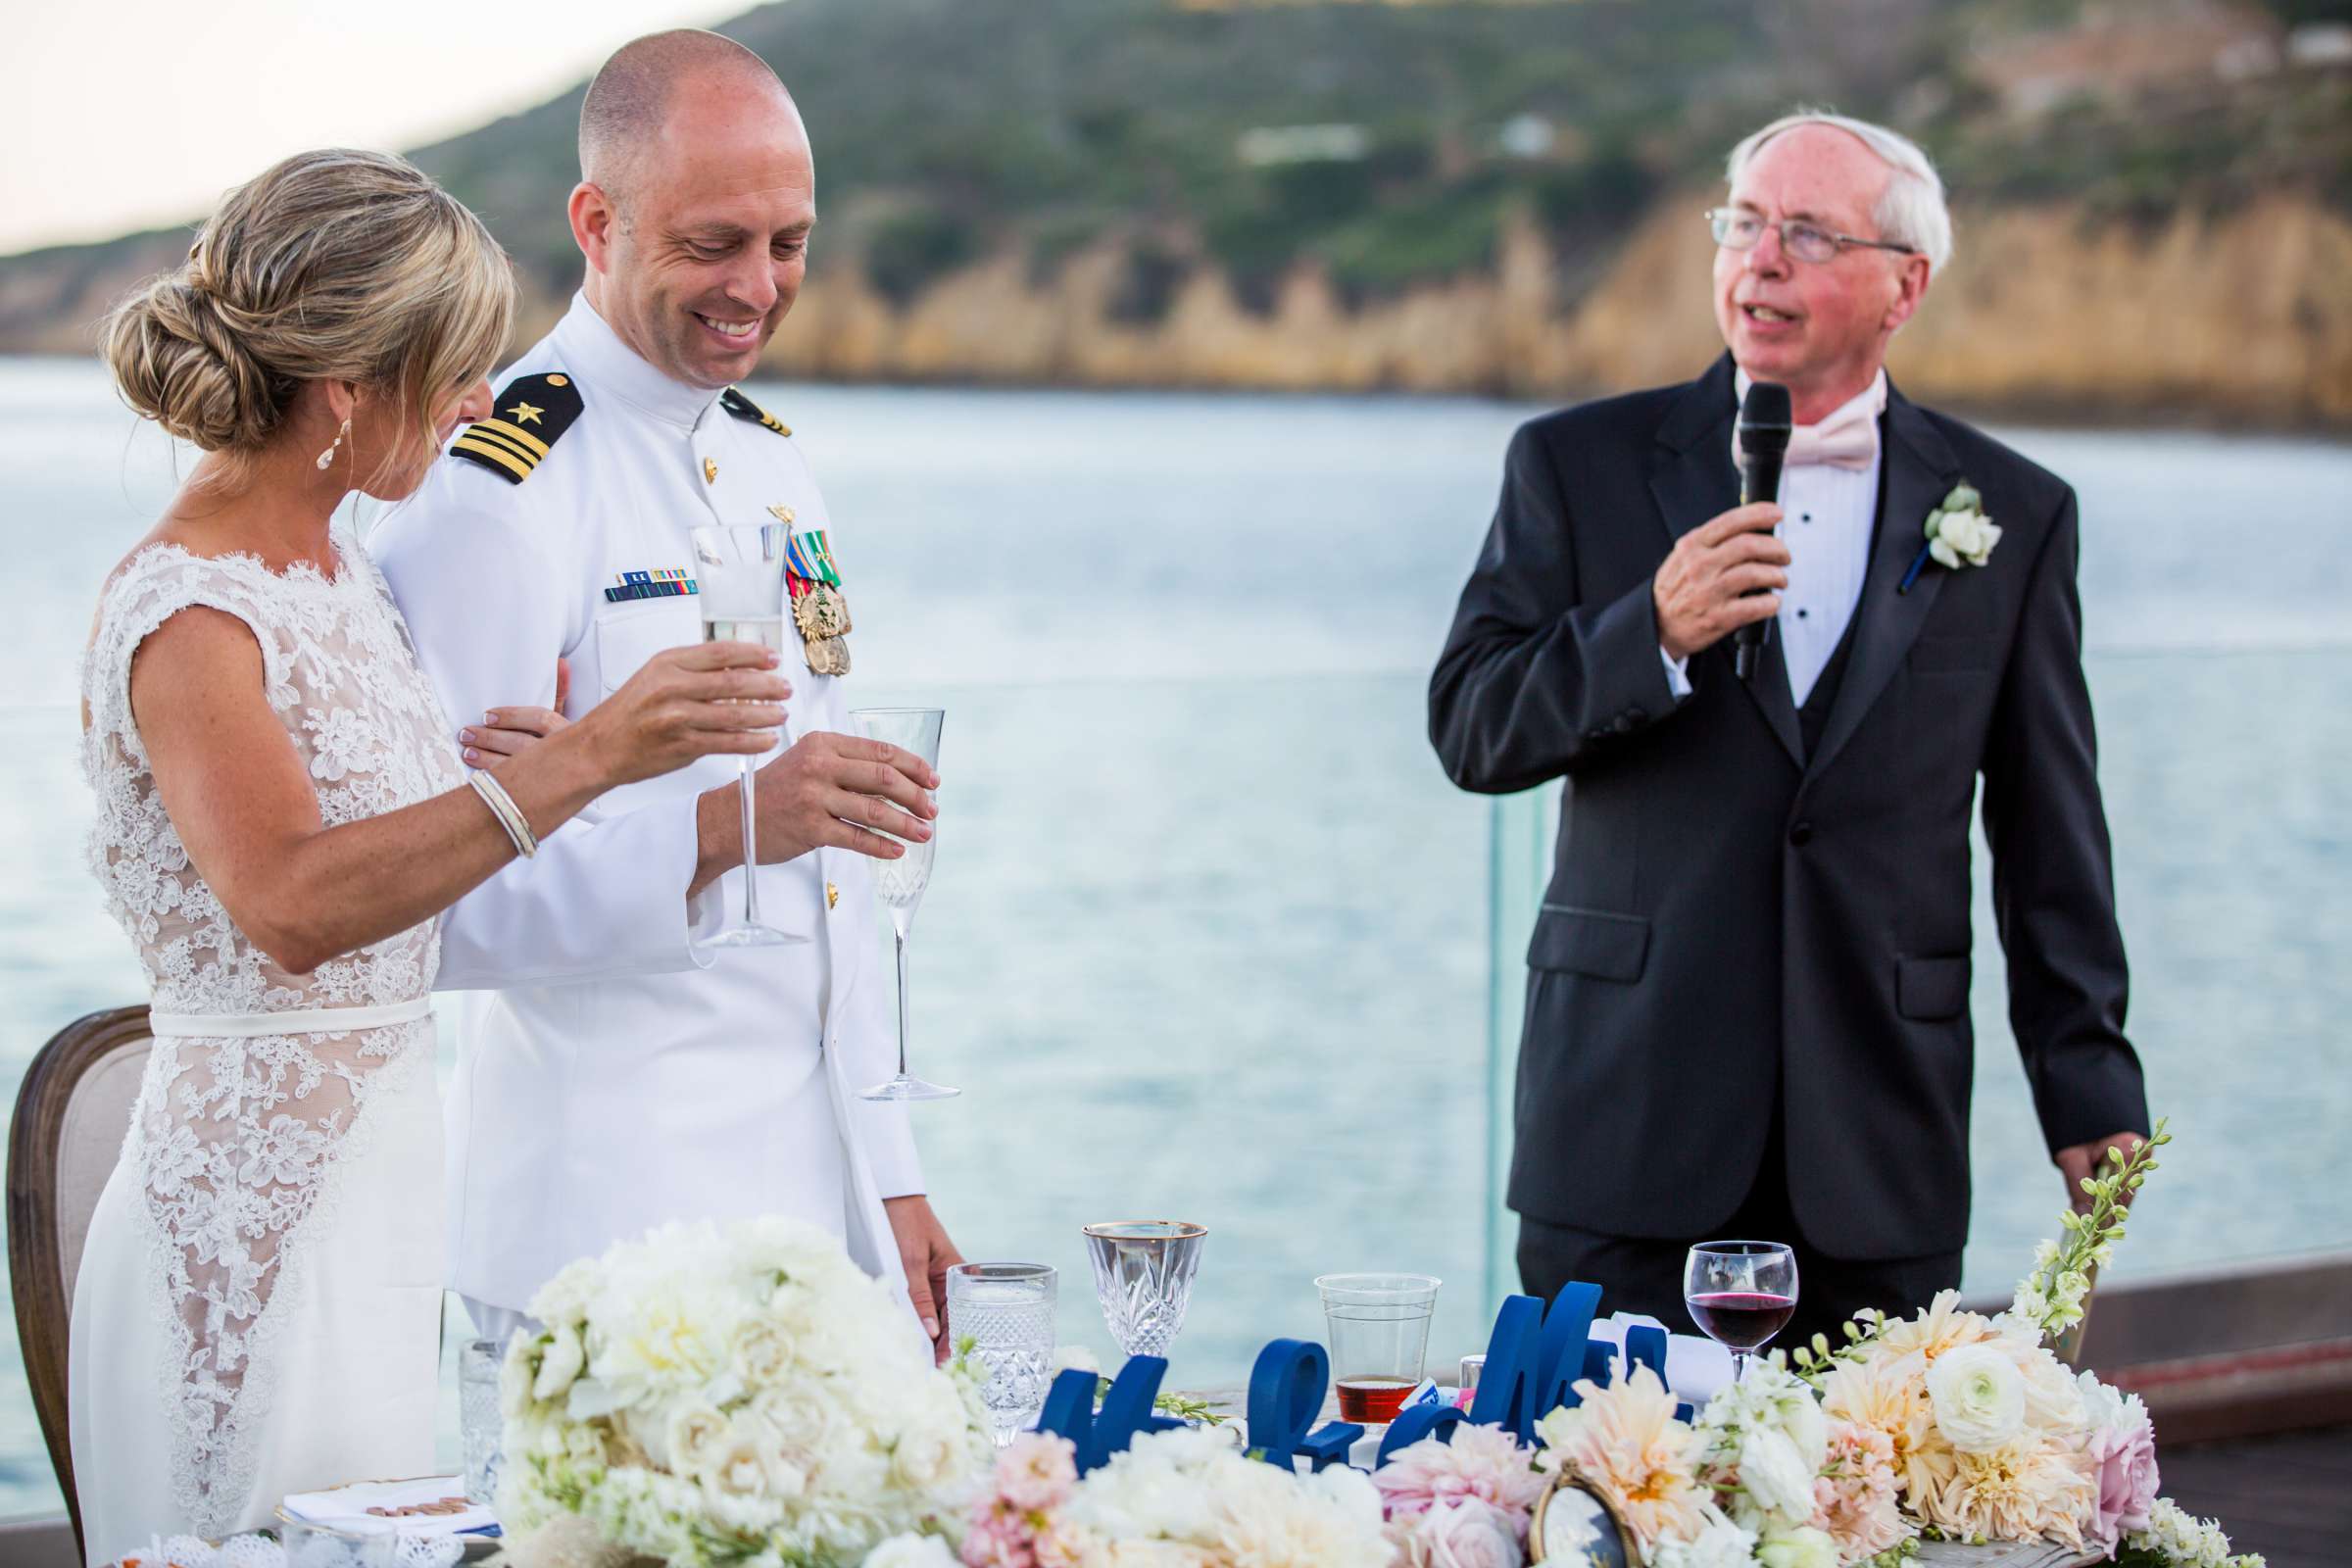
{"x": 1126, "y": 1411}
{"x": 1533, "y": 1358}
{"x": 1412, "y": 1426}
{"x": 1285, "y": 1394}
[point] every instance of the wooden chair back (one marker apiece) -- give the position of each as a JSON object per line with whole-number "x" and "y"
{"x": 73, "y": 1112}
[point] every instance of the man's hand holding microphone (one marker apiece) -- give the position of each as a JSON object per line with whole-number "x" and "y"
{"x": 1722, "y": 574}
{"x": 1726, "y": 574}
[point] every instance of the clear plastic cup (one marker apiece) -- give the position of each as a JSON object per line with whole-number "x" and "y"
{"x": 1378, "y": 1330}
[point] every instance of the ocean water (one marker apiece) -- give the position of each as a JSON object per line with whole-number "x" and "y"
{"x": 1209, "y": 934}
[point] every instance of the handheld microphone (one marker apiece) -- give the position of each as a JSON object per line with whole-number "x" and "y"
{"x": 1765, "y": 424}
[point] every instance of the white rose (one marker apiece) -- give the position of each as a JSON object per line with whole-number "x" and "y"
{"x": 2053, "y": 1401}
{"x": 763, "y": 1353}
{"x": 559, "y": 1364}
{"x": 693, "y": 1439}
{"x": 737, "y": 1469}
{"x": 1775, "y": 1474}
{"x": 910, "y": 1552}
{"x": 735, "y": 1487}
{"x": 1797, "y": 1548}
{"x": 926, "y": 1457}
{"x": 1075, "y": 1359}
{"x": 1978, "y": 1397}
{"x": 1967, "y": 537}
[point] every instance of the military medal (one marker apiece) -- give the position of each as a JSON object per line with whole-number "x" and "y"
{"x": 818, "y": 610}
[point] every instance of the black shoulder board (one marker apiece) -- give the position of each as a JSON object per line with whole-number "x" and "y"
{"x": 743, "y": 407}
{"x": 532, "y": 412}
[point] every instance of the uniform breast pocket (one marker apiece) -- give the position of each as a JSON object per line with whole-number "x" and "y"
{"x": 628, "y": 636}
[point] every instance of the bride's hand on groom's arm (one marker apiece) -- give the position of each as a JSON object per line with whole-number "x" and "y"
{"x": 505, "y": 732}
{"x": 839, "y": 790}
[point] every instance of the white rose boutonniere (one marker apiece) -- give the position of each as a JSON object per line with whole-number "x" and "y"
{"x": 1959, "y": 534}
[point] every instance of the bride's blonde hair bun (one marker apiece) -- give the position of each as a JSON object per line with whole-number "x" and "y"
{"x": 334, "y": 265}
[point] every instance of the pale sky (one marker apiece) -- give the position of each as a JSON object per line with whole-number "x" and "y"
{"x": 138, "y": 113}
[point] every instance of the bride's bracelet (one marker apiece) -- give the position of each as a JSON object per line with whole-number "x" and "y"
{"x": 509, "y": 816}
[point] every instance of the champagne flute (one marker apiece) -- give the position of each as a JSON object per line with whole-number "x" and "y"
{"x": 741, "y": 594}
{"x": 898, "y": 884}
{"x": 1740, "y": 1294}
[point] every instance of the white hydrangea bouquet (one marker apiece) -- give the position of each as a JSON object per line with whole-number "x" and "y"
{"x": 717, "y": 1395}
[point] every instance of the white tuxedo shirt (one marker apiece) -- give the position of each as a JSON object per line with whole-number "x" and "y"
{"x": 623, "y": 1084}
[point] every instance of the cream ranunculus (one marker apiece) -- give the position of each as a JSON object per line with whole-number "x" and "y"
{"x": 911, "y": 1552}
{"x": 1979, "y": 1398}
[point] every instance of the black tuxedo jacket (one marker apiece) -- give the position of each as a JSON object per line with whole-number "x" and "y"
{"x": 1733, "y": 923}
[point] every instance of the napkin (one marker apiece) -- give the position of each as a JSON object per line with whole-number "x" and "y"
{"x": 1697, "y": 1369}
{"x": 346, "y": 1507}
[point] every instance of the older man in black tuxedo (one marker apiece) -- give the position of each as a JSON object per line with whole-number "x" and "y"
{"x": 1747, "y": 1000}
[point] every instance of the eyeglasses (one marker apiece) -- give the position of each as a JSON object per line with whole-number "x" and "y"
{"x": 1736, "y": 229}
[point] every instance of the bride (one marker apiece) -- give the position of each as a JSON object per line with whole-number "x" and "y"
{"x": 280, "y": 821}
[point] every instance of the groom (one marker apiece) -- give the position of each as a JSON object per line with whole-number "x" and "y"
{"x": 669, "y": 1085}
{"x": 1747, "y": 1001}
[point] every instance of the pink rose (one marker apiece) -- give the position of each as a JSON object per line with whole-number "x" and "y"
{"x": 1465, "y": 1534}
{"x": 996, "y": 1542}
{"x": 2122, "y": 1457}
{"x": 1482, "y": 1464}
{"x": 1035, "y": 1472}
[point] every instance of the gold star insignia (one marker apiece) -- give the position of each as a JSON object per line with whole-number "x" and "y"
{"x": 525, "y": 413}
{"x": 710, "y": 472}
{"x": 781, "y": 512}
{"x": 832, "y": 895}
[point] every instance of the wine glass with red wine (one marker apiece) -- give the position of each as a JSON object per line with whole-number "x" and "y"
{"x": 1740, "y": 1294}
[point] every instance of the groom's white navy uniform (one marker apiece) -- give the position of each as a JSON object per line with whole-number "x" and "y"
{"x": 634, "y": 1087}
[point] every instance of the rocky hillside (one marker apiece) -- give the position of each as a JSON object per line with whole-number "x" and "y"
{"x": 2155, "y": 197}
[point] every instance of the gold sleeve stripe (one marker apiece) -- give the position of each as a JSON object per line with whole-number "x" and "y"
{"x": 522, "y": 438}
{"x": 499, "y": 455}
{"x": 503, "y": 444}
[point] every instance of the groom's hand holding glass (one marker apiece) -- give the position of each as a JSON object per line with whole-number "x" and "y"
{"x": 826, "y": 790}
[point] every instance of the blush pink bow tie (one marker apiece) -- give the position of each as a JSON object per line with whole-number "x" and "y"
{"x": 1847, "y": 439}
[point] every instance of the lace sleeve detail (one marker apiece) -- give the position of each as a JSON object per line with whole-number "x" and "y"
{"x": 157, "y": 584}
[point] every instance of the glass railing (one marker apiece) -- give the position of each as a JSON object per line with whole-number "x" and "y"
{"x": 1236, "y": 952}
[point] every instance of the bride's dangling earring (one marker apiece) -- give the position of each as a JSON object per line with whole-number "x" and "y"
{"x": 328, "y": 455}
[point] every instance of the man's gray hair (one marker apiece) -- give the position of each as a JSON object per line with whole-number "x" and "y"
{"x": 1911, "y": 212}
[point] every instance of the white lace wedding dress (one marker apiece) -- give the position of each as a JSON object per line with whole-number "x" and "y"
{"x": 259, "y": 1305}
